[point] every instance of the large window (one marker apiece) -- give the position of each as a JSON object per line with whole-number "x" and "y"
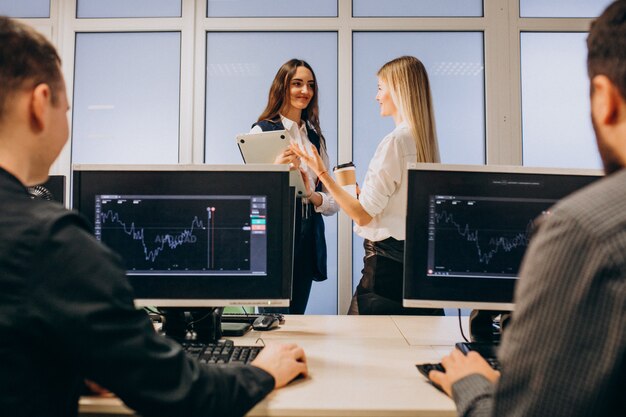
{"x": 272, "y": 8}
{"x": 126, "y": 98}
{"x": 128, "y": 8}
{"x": 418, "y": 8}
{"x": 174, "y": 81}
{"x": 25, "y": 8}
{"x": 240, "y": 70}
{"x": 562, "y": 8}
{"x": 556, "y": 125}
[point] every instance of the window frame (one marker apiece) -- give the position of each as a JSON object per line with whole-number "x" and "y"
{"x": 501, "y": 24}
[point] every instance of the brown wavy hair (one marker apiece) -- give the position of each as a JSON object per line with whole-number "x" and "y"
{"x": 278, "y": 98}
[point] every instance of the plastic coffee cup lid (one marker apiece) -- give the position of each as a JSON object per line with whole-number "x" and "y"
{"x": 346, "y": 165}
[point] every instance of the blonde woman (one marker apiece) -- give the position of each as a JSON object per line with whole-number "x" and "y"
{"x": 380, "y": 210}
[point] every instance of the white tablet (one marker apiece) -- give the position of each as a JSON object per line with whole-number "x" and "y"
{"x": 264, "y": 147}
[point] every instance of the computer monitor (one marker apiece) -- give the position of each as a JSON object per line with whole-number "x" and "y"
{"x": 194, "y": 236}
{"x": 468, "y": 227}
{"x": 53, "y": 189}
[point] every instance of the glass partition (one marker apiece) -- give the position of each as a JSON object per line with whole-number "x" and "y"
{"x": 126, "y": 98}
{"x": 25, "y": 8}
{"x": 417, "y": 8}
{"x": 128, "y": 8}
{"x": 556, "y": 126}
{"x": 271, "y": 8}
{"x": 562, "y": 8}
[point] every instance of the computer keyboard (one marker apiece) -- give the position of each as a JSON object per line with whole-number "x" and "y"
{"x": 486, "y": 350}
{"x": 221, "y": 352}
{"x": 489, "y": 351}
{"x": 249, "y": 318}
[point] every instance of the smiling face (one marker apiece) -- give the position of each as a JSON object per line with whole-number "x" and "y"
{"x": 301, "y": 88}
{"x": 387, "y": 106}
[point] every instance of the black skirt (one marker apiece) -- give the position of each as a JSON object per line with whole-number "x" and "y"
{"x": 380, "y": 289}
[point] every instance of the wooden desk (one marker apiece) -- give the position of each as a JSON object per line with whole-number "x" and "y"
{"x": 359, "y": 366}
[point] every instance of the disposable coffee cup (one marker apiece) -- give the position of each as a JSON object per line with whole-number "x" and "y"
{"x": 345, "y": 175}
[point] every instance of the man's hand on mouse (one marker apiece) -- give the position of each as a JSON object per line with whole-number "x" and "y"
{"x": 458, "y": 366}
{"x": 283, "y": 362}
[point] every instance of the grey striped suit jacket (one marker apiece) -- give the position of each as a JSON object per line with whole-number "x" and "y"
{"x": 564, "y": 353}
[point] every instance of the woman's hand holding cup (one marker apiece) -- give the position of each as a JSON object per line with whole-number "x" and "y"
{"x": 345, "y": 175}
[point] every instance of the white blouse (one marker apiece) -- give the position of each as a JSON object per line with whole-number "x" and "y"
{"x": 299, "y": 134}
{"x": 384, "y": 191}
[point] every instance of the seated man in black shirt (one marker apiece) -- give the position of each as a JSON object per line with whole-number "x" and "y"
{"x": 66, "y": 308}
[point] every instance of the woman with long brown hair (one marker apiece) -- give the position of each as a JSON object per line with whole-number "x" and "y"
{"x": 380, "y": 209}
{"x": 293, "y": 106}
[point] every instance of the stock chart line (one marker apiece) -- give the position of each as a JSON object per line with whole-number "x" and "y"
{"x": 162, "y": 240}
{"x": 500, "y": 242}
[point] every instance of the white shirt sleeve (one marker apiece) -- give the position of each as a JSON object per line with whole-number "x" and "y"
{"x": 256, "y": 129}
{"x": 383, "y": 177}
{"x": 329, "y": 206}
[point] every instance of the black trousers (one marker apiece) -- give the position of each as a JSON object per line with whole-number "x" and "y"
{"x": 380, "y": 288}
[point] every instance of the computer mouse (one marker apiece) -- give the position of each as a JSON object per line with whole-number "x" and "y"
{"x": 425, "y": 369}
{"x": 265, "y": 322}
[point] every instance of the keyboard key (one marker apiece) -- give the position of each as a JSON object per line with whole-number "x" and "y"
{"x": 222, "y": 352}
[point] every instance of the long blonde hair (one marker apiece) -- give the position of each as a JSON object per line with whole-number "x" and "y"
{"x": 410, "y": 91}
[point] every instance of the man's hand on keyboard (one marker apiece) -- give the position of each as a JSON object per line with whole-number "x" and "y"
{"x": 283, "y": 362}
{"x": 458, "y": 366}
{"x": 95, "y": 389}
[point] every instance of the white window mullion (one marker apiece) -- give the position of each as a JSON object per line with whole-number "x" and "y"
{"x": 199, "y": 85}
{"x": 344, "y": 152}
{"x": 501, "y": 91}
{"x": 188, "y": 57}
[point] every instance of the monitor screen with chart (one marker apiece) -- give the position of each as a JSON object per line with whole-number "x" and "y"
{"x": 468, "y": 228}
{"x": 193, "y": 236}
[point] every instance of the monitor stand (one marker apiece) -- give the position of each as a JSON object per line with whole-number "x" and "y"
{"x": 199, "y": 324}
{"x": 485, "y": 332}
{"x": 486, "y": 325}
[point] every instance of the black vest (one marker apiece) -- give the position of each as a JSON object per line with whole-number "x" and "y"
{"x": 320, "y": 256}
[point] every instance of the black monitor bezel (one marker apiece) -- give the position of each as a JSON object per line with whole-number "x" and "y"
{"x": 199, "y": 290}
{"x": 425, "y": 180}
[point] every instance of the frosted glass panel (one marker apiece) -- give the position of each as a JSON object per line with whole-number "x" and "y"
{"x": 240, "y": 69}
{"x": 126, "y": 98}
{"x": 562, "y": 8}
{"x": 455, "y": 65}
{"x": 556, "y": 125}
{"x": 271, "y": 8}
{"x": 25, "y": 8}
{"x": 128, "y": 8}
{"x": 418, "y": 8}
